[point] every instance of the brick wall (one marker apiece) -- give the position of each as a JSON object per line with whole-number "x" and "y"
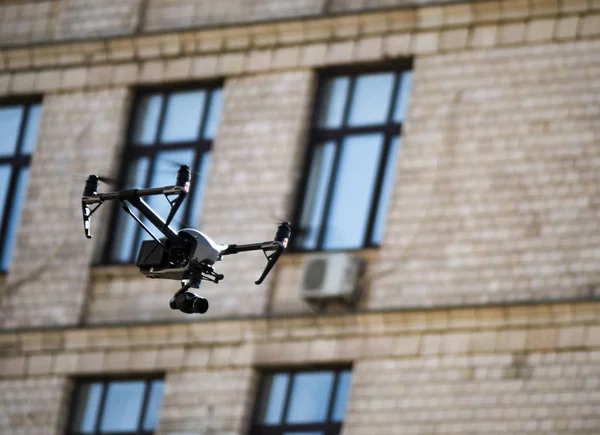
{"x": 520, "y": 369}
{"x": 34, "y": 406}
{"x": 80, "y": 133}
{"x": 498, "y": 180}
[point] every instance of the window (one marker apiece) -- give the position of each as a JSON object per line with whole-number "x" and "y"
{"x": 311, "y": 402}
{"x": 168, "y": 129}
{"x": 355, "y": 142}
{"x": 127, "y": 406}
{"x": 19, "y": 125}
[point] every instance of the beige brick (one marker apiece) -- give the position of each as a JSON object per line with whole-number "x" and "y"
{"x": 117, "y": 361}
{"x": 259, "y": 60}
{"x": 592, "y": 336}
{"x": 454, "y": 39}
{"x": 321, "y": 350}
{"x": 39, "y": 364}
{"x": 487, "y": 11}
{"x": 232, "y": 63}
{"x": 512, "y": 33}
{"x": 566, "y": 28}
{"x": 286, "y": 57}
{"x": 431, "y": 344}
{"x": 347, "y": 27}
{"x": 205, "y": 66}
{"x": 430, "y": 17}
{"x": 484, "y": 36}
{"x": 349, "y": 349}
{"x": 573, "y": 336}
{"x": 13, "y": 365}
{"x": 90, "y": 362}
{"x": 143, "y": 360}
{"x": 73, "y": 78}
{"x": 374, "y": 24}
{"x": 341, "y": 52}
{"x": 484, "y": 341}
{"x": 539, "y": 339}
{"x": 5, "y": 83}
{"x": 397, "y": 45}
{"x": 23, "y": 82}
{"x": 540, "y": 30}
{"x": 290, "y": 33}
{"x": 100, "y": 75}
{"x": 590, "y": 25}
{"x": 196, "y": 357}
{"x": 574, "y": 6}
{"x": 369, "y": 48}
{"x": 65, "y": 363}
{"x": 125, "y": 73}
{"x": 426, "y": 42}
{"x": 152, "y": 71}
{"x": 406, "y": 345}
{"x": 313, "y": 55}
{"x": 511, "y": 340}
{"x": 455, "y": 343}
{"x": 458, "y": 14}
{"x": 170, "y": 357}
{"x": 178, "y": 68}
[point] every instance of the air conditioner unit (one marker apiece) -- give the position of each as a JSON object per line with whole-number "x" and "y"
{"x": 331, "y": 276}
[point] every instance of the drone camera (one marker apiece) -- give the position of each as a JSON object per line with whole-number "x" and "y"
{"x": 153, "y": 254}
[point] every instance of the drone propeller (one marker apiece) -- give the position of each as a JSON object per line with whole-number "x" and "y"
{"x": 106, "y": 180}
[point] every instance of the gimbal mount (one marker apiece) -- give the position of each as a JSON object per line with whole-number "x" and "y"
{"x": 187, "y": 255}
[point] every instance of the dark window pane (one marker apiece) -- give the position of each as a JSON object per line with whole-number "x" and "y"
{"x": 14, "y": 218}
{"x": 123, "y": 406}
{"x": 86, "y": 408}
{"x": 5, "y": 172}
{"x": 353, "y": 193}
{"x": 333, "y": 102}
{"x": 196, "y": 196}
{"x": 316, "y": 191}
{"x": 184, "y": 113}
{"x": 403, "y": 97}
{"x": 10, "y": 122}
{"x": 154, "y": 405}
{"x": 214, "y": 114}
{"x": 386, "y": 192}
{"x": 371, "y": 101}
{"x": 31, "y": 129}
{"x": 273, "y": 399}
{"x": 146, "y": 120}
{"x": 127, "y": 228}
{"x": 310, "y": 397}
{"x": 341, "y": 396}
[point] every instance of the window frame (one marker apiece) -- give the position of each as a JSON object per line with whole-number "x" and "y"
{"x": 105, "y": 381}
{"x": 132, "y": 152}
{"x": 328, "y": 427}
{"x": 16, "y": 161}
{"x": 318, "y": 135}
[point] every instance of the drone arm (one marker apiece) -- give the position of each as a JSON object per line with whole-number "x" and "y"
{"x": 135, "y": 198}
{"x": 278, "y": 244}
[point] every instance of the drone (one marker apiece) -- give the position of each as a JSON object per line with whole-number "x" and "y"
{"x": 187, "y": 255}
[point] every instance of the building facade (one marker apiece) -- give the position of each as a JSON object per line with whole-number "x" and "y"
{"x": 452, "y": 146}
